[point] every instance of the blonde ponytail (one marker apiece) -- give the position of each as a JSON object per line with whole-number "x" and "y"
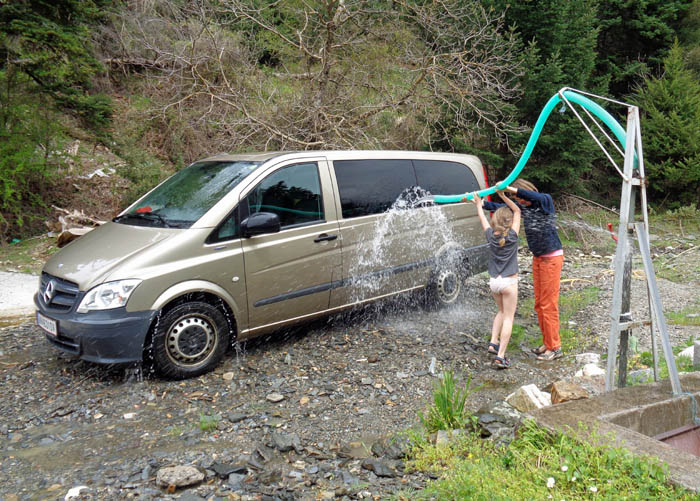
{"x": 501, "y": 222}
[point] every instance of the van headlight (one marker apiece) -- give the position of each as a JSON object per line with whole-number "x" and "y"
{"x": 108, "y": 295}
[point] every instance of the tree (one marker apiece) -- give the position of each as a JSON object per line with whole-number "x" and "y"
{"x": 324, "y": 74}
{"x": 50, "y": 42}
{"x": 670, "y": 106}
{"x": 560, "y": 40}
{"x": 634, "y": 38}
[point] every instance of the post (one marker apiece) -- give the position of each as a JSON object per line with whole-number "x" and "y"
{"x": 623, "y": 264}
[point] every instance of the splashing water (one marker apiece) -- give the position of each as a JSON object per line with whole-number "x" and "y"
{"x": 411, "y": 231}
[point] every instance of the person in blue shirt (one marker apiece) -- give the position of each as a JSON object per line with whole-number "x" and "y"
{"x": 539, "y": 220}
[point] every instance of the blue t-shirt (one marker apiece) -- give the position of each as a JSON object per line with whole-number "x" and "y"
{"x": 539, "y": 221}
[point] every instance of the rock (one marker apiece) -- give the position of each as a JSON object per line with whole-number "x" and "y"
{"x": 587, "y": 358}
{"x": 235, "y": 481}
{"x": 179, "y": 476}
{"x": 75, "y": 492}
{"x": 275, "y": 397}
{"x": 528, "y": 398}
{"x": 446, "y": 436}
{"x": 268, "y": 477}
{"x": 641, "y": 376}
{"x": 563, "y": 391}
{"x": 285, "y": 442}
{"x": 235, "y": 417}
{"x": 591, "y": 370}
{"x": 378, "y": 467}
{"x": 367, "y": 381}
{"x": 223, "y": 470}
{"x": 228, "y": 376}
{"x": 688, "y": 352}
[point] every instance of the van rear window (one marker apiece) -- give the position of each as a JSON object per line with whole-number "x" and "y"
{"x": 445, "y": 178}
{"x": 371, "y": 186}
{"x": 182, "y": 199}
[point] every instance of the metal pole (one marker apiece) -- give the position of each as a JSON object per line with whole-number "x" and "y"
{"x": 623, "y": 257}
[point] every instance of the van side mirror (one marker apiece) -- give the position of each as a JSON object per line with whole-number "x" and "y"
{"x": 259, "y": 224}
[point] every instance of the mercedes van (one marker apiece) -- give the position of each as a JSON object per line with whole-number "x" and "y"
{"x": 235, "y": 246}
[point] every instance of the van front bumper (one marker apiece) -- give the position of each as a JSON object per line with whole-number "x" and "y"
{"x": 106, "y": 337}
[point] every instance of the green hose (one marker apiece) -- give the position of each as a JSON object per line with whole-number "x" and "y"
{"x": 570, "y": 95}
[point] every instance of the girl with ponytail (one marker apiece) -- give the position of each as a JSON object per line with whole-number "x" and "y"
{"x": 502, "y": 236}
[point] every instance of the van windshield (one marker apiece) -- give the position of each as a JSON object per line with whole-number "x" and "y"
{"x": 183, "y": 198}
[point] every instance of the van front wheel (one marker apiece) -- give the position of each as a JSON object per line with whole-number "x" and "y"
{"x": 189, "y": 340}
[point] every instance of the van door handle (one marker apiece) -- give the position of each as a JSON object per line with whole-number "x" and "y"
{"x": 325, "y": 237}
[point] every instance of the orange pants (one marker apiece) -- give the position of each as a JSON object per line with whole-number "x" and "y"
{"x": 546, "y": 274}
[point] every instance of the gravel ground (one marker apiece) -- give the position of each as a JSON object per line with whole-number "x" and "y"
{"x": 304, "y": 414}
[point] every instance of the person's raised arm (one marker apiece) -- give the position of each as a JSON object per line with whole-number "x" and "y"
{"x": 480, "y": 210}
{"x": 516, "y": 211}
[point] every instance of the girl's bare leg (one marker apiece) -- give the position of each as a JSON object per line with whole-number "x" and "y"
{"x": 498, "y": 319}
{"x": 510, "y": 303}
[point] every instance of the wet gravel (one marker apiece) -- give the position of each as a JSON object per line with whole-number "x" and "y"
{"x": 311, "y": 413}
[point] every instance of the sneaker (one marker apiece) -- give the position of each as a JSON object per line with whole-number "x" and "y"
{"x": 551, "y": 355}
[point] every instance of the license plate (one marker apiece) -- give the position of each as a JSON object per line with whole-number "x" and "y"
{"x": 49, "y": 325}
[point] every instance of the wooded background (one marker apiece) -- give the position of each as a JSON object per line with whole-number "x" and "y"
{"x": 162, "y": 83}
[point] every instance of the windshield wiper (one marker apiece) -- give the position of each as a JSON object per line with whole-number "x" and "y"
{"x": 148, "y": 216}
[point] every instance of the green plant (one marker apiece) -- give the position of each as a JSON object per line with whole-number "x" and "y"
{"x": 448, "y": 410}
{"x": 208, "y": 423}
{"x": 687, "y": 316}
{"x": 539, "y": 464}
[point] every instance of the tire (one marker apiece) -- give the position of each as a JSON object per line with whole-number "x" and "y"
{"x": 190, "y": 340}
{"x": 446, "y": 280}
{"x": 445, "y": 287}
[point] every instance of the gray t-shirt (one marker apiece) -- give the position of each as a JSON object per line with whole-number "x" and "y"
{"x": 503, "y": 260}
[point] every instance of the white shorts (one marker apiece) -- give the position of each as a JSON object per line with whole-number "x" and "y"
{"x": 499, "y": 284}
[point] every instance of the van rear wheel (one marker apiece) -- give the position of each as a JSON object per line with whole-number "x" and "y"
{"x": 447, "y": 278}
{"x": 190, "y": 340}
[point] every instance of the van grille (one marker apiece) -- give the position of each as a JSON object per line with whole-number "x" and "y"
{"x": 57, "y": 294}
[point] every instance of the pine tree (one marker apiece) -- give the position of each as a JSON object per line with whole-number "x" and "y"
{"x": 670, "y": 106}
{"x": 561, "y": 40}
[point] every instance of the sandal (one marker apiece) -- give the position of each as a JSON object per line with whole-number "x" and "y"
{"x": 501, "y": 363}
{"x": 539, "y": 351}
{"x": 551, "y": 355}
{"x": 493, "y": 349}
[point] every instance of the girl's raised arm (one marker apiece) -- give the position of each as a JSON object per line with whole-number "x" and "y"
{"x": 516, "y": 211}
{"x": 480, "y": 210}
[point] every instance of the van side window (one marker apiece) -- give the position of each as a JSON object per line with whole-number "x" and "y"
{"x": 371, "y": 186}
{"x": 445, "y": 178}
{"x": 293, "y": 193}
{"x": 228, "y": 229}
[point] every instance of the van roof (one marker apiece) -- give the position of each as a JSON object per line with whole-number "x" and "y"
{"x": 336, "y": 154}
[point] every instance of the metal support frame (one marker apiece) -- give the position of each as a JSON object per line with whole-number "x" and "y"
{"x": 633, "y": 180}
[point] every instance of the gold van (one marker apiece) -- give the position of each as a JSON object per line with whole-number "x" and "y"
{"x": 235, "y": 246}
